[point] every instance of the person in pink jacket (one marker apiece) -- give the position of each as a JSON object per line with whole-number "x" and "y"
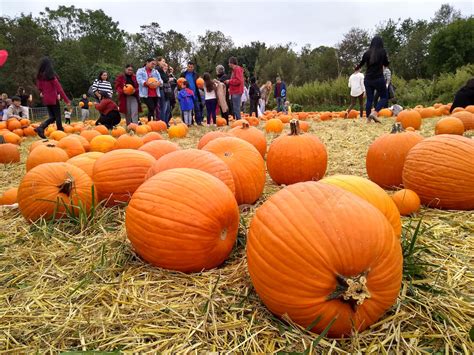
{"x": 236, "y": 86}
{"x": 51, "y": 92}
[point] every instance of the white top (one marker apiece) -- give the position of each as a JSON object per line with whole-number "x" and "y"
{"x": 356, "y": 83}
{"x": 209, "y": 94}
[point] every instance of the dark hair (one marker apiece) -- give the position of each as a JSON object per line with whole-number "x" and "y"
{"x": 128, "y": 66}
{"x": 20, "y": 90}
{"x": 253, "y": 80}
{"x": 210, "y": 86}
{"x": 376, "y": 50}
{"x": 45, "y": 70}
{"x": 470, "y": 84}
{"x": 148, "y": 60}
{"x": 185, "y": 84}
{"x": 190, "y": 63}
{"x": 100, "y": 74}
{"x": 159, "y": 58}
{"x": 104, "y": 95}
{"x": 15, "y": 98}
{"x": 233, "y": 60}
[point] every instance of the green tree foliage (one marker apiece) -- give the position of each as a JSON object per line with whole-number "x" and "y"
{"x": 352, "y": 47}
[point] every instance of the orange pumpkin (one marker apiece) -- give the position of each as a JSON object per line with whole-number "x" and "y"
{"x": 467, "y": 119}
{"x": 128, "y": 141}
{"x": 117, "y": 174}
{"x": 9, "y": 197}
{"x": 449, "y": 125}
{"x": 180, "y": 82}
{"x": 29, "y": 131}
{"x": 167, "y": 237}
{"x": 102, "y": 129}
{"x": 152, "y": 82}
{"x": 18, "y": 132}
{"x": 42, "y": 154}
{"x": 407, "y": 202}
{"x": 177, "y": 131}
{"x": 296, "y": 157}
{"x": 274, "y": 125}
{"x": 409, "y": 118}
{"x": 209, "y": 137}
{"x": 151, "y": 136}
{"x": 221, "y": 122}
{"x": 252, "y": 135}
{"x": 72, "y": 145}
{"x": 49, "y": 190}
{"x": 386, "y": 156}
{"x": 128, "y": 89}
{"x": 85, "y": 161}
{"x": 118, "y": 131}
{"x": 158, "y": 148}
{"x": 428, "y": 112}
{"x": 13, "y": 123}
{"x": 142, "y": 129}
{"x": 318, "y": 252}
{"x": 9, "y": 153}
{"x": 200, "y": 83}
{"x": 57, "y": 135}
{"x": 103, "y": 143}
{"x": 385, "y": 112}
{"x": 12, "y": 138}
{"x": 90, "y": 134}
{"x": 157, "y": 126}
{"x": 245, "y": 163}
{"x": 36, "y": 144}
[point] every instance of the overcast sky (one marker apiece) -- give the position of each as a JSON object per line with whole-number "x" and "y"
{"x": 270, "y": 21}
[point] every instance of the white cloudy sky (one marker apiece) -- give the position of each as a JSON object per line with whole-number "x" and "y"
{"x": 271, "y": 21}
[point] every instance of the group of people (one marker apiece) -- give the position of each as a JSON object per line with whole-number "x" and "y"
{"x": 15, "y": 106}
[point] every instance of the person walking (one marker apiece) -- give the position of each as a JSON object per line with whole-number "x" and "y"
{"x": 265, "y": 91}
{"x": 227, "y": 107}
{"x": 50, "y": 91}
{"x": 191, "y": 76}
{"x": 149, "y": 80}
{"x": 102, "y": 84}
{"x": 375, "y": 58}
{"x": 236, "y": 86}
{"x": 254, "y": 95}
{"x": 280, "y": 94}
{"x": 126, "y": 86}
{"x": 356, "y": 83}
{"x": 84, "y": 107}
{"x": 210, "y": 91}
{"x": 387, "y": 74}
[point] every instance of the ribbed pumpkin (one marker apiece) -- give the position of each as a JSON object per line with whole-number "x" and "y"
{"x": 103, "y": 143}
{"x": 159, "y": 148}
{"x": 45, "y": 154}
{"x": 386, "y": 156}
{"x": 117, "y": 174}
{"x": 252, "y": 135}
{"x": 128, "y": 141}
{"x": 9, "y": 153}
{"x": 183, "y": 219}
{"x": 274, "y": 125}
{"x": 142, "y": 130}
{"x": 85, "y": 143}
{"x": 11, "y": 137}
{"x": 89, "y": 134}
{"x": 13, "y": 123}
{"x": 449, "y": 125}
{"x": 86, "y": 161}
{"x": 428, "y": 112}
{"x": 194, "y": 159}
{"x": 407, "y": 201}
{"x": 467, "y": 119}
{"x": 58, "y": 135}
{"x": 118, "y": 131}
{"x": 157, "y": 126}
{"x": 71, "y": 145}
{"x": 36, "y": 144}
{"x": 46, "y": 189}
{"x": 370, "y": 192}
{"x": 151, "y": 136}
{"x": 102, "y": 129}
{"x": 9, "y": 197}
{"x": 441, "y": 171}
{"x": 209, "y": 137}
{"x": 409, "y": 118}
{"x": 177, "y": 131}
{"x": 296, "y": 157}
{"x": 318, "y": 252}
{"x": 245, "y": 163}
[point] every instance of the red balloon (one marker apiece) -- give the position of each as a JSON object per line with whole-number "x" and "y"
{"x": 3, "y": 57}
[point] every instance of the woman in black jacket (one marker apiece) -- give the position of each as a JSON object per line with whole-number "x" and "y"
{"x": 375, "y": 58}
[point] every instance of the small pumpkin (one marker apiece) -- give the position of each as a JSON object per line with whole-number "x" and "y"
{"x": 9, "y": 153}
{"x": 449, "y": 125}
{"x": 157, "y": 126}
{"x": 151, "y": 136}
{"x": 128, "y": 141}
{"x": 128, "y": 89}
{"x": 274, "y": 125}
{"x": 407, "y": 201}
{"x": 103, "y": 143}
{"x": 466, "y": 117}
{"x": 9, "y": 196}
{"x": 409, "y": 118}
{"x": 71, "y": 145}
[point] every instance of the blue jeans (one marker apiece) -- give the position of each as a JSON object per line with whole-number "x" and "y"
{"x": 211, "y": 106}
{"x": 280, "y": 103}
{"x": 370, "y": 86}
{"x": 236, "y": 100}
{"x": 197, "y": 111}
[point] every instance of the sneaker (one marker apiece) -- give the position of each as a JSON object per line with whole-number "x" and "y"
{"x": 40, "y": 132}
{"x": 373, "y": 116}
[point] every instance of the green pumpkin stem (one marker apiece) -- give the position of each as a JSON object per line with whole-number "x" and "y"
{"x": 294, "y": 127}
{"x": 351, "y": 290}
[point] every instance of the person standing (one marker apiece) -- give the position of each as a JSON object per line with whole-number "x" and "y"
{"x": 191, "y": 76}
{"x": 464, "y": 96}
{"x": 223, "y": 77}
{"x": 148, "y": 89}
{"x": 186, "y": 103}
{"x": 387, "y": 74}
{"x": 174, "y": 85}
{"x": 265, "y": 91}
{"x": 26, "y": 99}
{"x": 50, "y": 91}
{"x": 102, "y": 84}
{"x": 129, "y": 101}
{"x": 84, "y": 107}
{"x": 165, "y": 90}
{"x": 280, "y": 94}
{"x": 210, "y": 92}
{"x": 356, "y": 83}
{"x": 236, "y": 86}
{"x": 245, "y": 98}
{"x": 375, "y": 58}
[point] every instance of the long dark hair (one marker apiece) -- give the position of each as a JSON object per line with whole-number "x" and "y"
{"x": 45, "y": 70}
{"x": 100, "y": 75}
{"x": 210, "y": 86}
{"x": 376, "y": 50}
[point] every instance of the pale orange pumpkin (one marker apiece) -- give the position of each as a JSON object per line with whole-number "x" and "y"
{"x": 9, "y": 196}
{"x": 158, "y": 148}
{"x": 45, "y": 154}
{"x": 85, "y": 161}
{"x": 252, "y": 135}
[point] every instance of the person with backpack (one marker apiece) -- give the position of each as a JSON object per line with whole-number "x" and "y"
{"x": 254, "y": 94}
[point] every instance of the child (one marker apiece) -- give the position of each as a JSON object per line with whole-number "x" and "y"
{"x": 67, "y": 115}
{"x": 396, "y": 109}
{"x": 15, "y": 109}
{"x": 287, "y": 108}
{"x": 254, "y": 94}
{"x": 186, "y": 103}
{"x": 110, "y": 116}
{"x": 210, "y": 99}
{"x": 356, "y": 83}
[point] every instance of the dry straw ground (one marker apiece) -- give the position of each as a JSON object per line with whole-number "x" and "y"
{"x": 73, "y": 287}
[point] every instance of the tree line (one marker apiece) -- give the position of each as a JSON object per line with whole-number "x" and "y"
{"x": 82, "y": 42}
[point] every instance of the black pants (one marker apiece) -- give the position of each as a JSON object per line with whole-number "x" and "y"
{"x": 54, "y": 113}
{"x": 151, "y": 103}
{"x": 360, "y": 98}
{"x": 253, "y": 107}
{"x": 109, "y": 120}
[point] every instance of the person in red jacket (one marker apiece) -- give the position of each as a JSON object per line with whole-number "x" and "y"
{"x": 110, "y": 116}
{"x": 129, "y": 104}
{"x": 236, "y": 86}
{"x": 51, "y": 92}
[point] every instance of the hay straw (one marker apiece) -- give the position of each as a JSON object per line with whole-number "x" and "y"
{"x": 67, "y": 289}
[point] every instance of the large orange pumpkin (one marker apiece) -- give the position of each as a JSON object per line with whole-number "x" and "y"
{"x": 151, "y": 136}
{"x": 89, "y": 134}
{"x": 467, "y": 119}
{"x": 209, "y": 136}
{"x": 194, "y": 159}
{"x": 157, "y": 126}
{"x": 9, "y": 196}
{"x": 370, "y": 192}
{"x": 245, "y": 163}
{"x": 45, "y": 154}
{"x": 103, "y": 143}
{"x": 407, "y": 201}
{"x": 128, "y": 141}
{"x": 49, "y": 190}
{"x": 409, "y": 118}
{"x": 85, "y": 161}
{"x": 36, "y": 144}
{"x": 117, "y": 174}
{"x": 441, "y": 171}
{"x": 252, "y": 135}
{"x": 191, "y": 220}
{"x": 274, "y": 125}
{"x": 158, "y": 148}
{"x": 72, "y": 145}
{"x": 9, "y": 153}
{"x": 449, "y": 125}
{"x": 318, "y": 252}
{"x": 296, "y": 157}
{"x": 386, "y": 156}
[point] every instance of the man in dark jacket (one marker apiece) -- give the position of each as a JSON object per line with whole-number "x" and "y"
{"x": 465, "y": 96}
{"x": 280, "y": 94}
{"x": 191, "y": 76}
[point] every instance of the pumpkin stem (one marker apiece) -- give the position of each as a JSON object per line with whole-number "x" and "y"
{"x": 351, "y": 290}
{"x": 397, "y": 128}
{"x": 66, "y": 187}
{"x": 245, "y": 124}
{"x": 294, "y": 127}
{"x": 2, "y": 140}
{"x": 224, "y": 234}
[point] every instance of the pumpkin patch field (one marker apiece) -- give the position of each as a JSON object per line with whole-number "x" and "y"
{"x": 303, "y": 233}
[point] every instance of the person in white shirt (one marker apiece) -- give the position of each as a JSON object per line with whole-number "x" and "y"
{"x": 210, "y": 98}
{"x": 356, "y": 83}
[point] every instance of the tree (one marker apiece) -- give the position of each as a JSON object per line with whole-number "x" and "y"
{"x": 176, "y": 48}
{"x": 211, "y": 49}
{"x": 445, "y": 15}
{"x": 277, "y": 61}
{"x": 352, "y": 47}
